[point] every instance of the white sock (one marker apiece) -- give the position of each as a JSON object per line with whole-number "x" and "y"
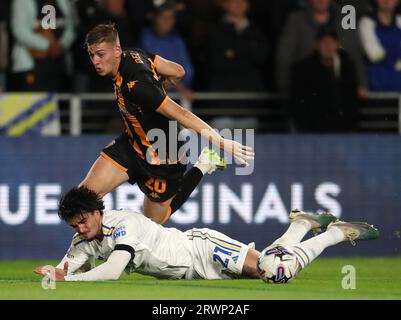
{"x": 309, "y": 250}
{"x": 295, "y": 233}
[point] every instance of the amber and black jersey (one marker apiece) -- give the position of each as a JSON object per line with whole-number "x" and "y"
{"x": 140, "y": 97}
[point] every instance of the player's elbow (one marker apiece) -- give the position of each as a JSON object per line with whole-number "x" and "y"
{"x": 180, "y": 71}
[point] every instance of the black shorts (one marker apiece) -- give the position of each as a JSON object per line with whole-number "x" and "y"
{"x": 158, "y": 182}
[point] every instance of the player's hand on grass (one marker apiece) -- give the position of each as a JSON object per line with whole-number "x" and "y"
{"x": 53, "y": 273}
{"x": 243, "y": 154}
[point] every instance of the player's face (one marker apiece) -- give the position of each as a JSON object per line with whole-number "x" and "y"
{"x": 105, "y": 58}
{"x": 87, "y": 224}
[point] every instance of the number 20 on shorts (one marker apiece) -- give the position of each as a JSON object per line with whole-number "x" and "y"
{"x": 156, "y": 184}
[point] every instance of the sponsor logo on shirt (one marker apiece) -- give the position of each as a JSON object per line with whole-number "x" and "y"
{"x": 119, "y": 232}
{"x": 69, "y": 255}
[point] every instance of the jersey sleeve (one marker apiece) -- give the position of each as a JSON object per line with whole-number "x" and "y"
{"x": 147, "y": 54}
{"x": 125, "y": 235}
{"x": 110, "y": 270}
{"x": 142, "y": 81}
{"x": 79, "y": 260}
{"x": 149, "y": 96}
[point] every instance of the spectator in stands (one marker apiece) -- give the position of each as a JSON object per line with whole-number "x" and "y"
{"x": 4, "y": 12}
{"x": 298, "y": 41}
{"x": 203, "y": 15}
{"x": 90, "y": 14}
{"x": 238, "y": 51}
{"x": 114, "y": 11}
{"x": 163, "y": 40}
{"x": 324, "y": 88}
{"x": 380, "y": 33}
{"x": 140, "y": 12}
{"x": 270, "y": 16}
{"x": 39, "y": 55}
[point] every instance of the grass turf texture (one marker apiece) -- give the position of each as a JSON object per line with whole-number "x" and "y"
{"x": 376, "y": 278}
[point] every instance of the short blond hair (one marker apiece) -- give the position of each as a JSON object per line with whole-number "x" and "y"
{"x": 102, "y": 33}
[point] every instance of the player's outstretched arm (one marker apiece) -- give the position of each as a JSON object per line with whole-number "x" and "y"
{"x": 55, "y": 274}
{"x": 110, "y": 270}
{"x": 190, "y": 121}
{"x": 75, "y": 259}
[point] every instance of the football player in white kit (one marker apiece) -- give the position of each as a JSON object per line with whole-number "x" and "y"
{"x": 129, "y": 241}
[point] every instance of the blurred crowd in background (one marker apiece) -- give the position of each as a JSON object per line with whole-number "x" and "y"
{"x": 295, "y": 48}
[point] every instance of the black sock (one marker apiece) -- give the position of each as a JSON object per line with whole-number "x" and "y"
{"x": 189, "y": 182}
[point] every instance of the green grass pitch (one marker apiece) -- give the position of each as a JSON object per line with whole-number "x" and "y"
{"x": 376, "y": 278}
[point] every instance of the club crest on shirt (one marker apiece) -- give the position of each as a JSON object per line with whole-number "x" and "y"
{"x": 131, "y": 84}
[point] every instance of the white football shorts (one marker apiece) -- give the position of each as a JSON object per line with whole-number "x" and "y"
{"x": 215, "y": 255}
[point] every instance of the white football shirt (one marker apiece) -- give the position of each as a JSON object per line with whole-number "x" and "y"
{"x": 155, "y": 250}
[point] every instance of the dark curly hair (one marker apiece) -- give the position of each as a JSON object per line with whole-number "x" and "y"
{"x": 77, "y": 201}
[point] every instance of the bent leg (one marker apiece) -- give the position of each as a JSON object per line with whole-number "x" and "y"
{"x": 189, "y": 182}
{"x": 158, "y": 212}
{"x": 207, "y": 163}
{"x": 295, "y": 233}
{"x": 336, "y": 232}
{"x": 309, "y": 250}
{"x": 104, "y": 176}
{"x": 302, "y": 223}
{"x": 161, "y": 212}
{"x": 250, "y": 268}
{"x": 282, "y": 262}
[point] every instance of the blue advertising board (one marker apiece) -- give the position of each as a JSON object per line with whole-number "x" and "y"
{"x": 358, "y": 178}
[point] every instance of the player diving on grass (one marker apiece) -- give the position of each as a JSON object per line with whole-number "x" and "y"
{"x": 132, "y": 242}
{"x": 138, "y": 79}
